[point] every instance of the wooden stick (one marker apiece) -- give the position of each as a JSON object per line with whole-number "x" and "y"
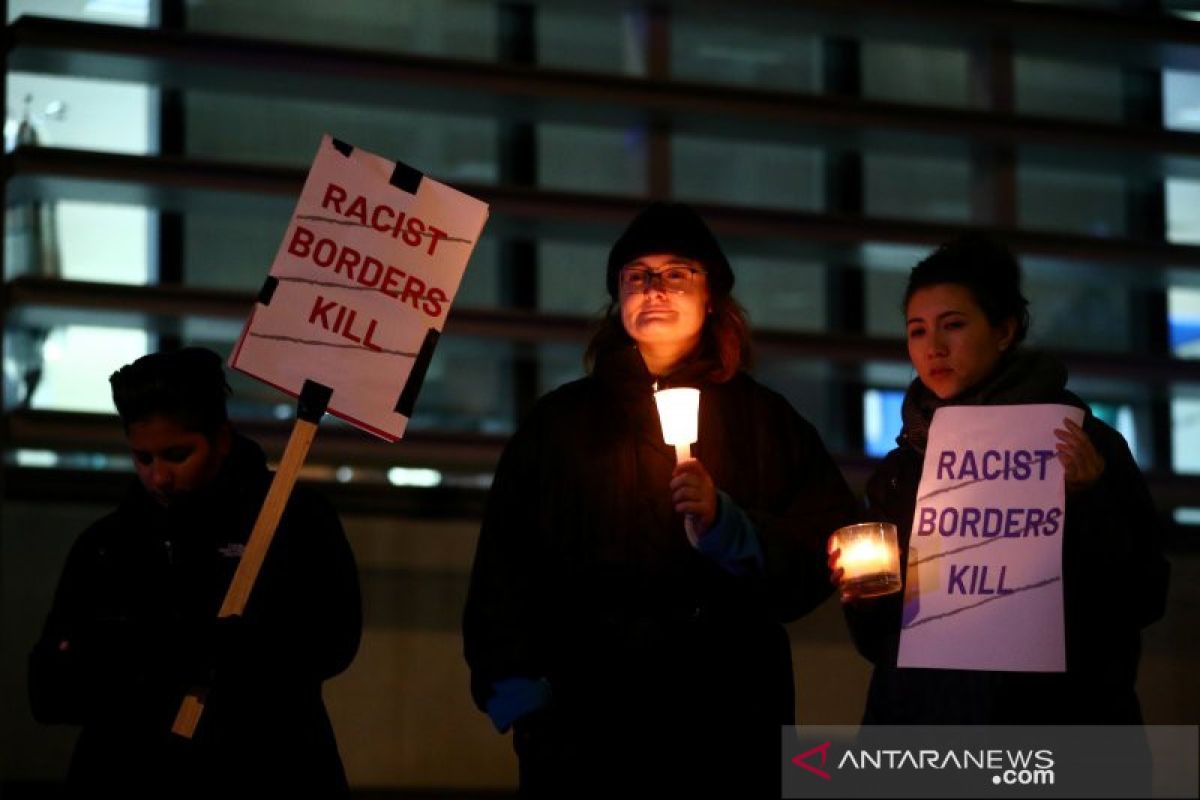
{"x": 268, "y": 519}
{"x": 312, "y": 408}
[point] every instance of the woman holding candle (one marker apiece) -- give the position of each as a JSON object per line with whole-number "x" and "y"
{"x": 626, "y": 656}
{"x": 966, "y": 317}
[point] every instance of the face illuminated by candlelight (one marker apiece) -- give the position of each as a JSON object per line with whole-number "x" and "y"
{"x": 664, "y": 303}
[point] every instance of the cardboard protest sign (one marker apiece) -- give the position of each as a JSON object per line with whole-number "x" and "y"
{"x": 348, "y": 318}
{"x": 360, "y": 287}
{"x": 983, "y": 588}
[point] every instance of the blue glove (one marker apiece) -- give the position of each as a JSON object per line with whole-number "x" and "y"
{"x": 513, "y": 698}
{"x": 732, "y": 541}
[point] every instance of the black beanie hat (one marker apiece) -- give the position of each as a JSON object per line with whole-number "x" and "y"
{"x": 676, "y": 229}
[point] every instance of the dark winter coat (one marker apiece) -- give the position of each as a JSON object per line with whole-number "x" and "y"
{"x": 584, "y": 575}
{"x": 132, "y": 629}
{"x": 1114, "y": 584}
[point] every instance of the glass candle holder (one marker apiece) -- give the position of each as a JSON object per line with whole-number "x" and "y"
{"x": 870, "y": 559}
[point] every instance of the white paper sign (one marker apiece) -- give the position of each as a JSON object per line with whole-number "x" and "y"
{"x": 983, "y": 588}
{"x": 360, "y": 287}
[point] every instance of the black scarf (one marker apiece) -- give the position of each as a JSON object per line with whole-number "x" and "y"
{"x": 1020, "y": 377}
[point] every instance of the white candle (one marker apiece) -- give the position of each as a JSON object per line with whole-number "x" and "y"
{"x": 679, "y": 412}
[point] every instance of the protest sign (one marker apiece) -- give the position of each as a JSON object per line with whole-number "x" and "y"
{"x": 983, "y": 587}
{"x": 348, "y": 318}
{"x": 360, "y": 287}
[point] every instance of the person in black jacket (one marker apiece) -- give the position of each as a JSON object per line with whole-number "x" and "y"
{"x": 627, "y": 657}
{"x": 133, "y": 625}
{"x": 966, "y": 316}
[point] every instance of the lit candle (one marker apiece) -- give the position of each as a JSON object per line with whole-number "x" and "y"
{"x": 679, "y": 413}
{"x": 870, "y": 559}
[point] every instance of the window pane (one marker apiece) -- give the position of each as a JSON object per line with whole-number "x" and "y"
{"x": 1071, "y": 202}
{"x": 558, "y": 363}
{"x": 1181, "y": 100}
{"x": 79, "y": 113}
{"x": 468, "y": 388}
{"x": 571, "y": 279}
{"x": 231, "y": 250}
{"x": 915, "y": 187}
{"x": 1055, "y": 88}
{"x": 455, "y": 28}
{"x": 885, "y": 299}
{"x": 78, "y": 240}
{"x": 752, "y": 50}
{"x": 1183, "y": 317}
{"x": 581, "y": 159}
{"x": 1077, "y": 309}
{"x": 1123, "y": 405}
{"x": 599, "y": 38}
{"x": 480, "y": 287}
{"x": 134, "y": 13}
{"x": 1120, "y": 417}
{"x": 907, "y": 73}
{"x": 887, "y": 267}
{"x": 1185, "y": 433}
{"x": 66, "y": 368}
{"x": 882, "y": 421}
{"x": 808, "y": 386}
{"x": 1183, "y": 211}
{"x": 286, "y": 132}
{"x": 747, "y": 173}
{"x": 1187, "y": 516}
{"x": 781, "y": 294}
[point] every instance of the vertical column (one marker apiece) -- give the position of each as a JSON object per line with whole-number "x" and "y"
{"x": 519, "y": 167}
{"x": 4, "y": 185}
{"x": 4, "y": 401}
{"x": 993, "y": 166}
{"x": 658, "y": 67}
{"x": 167, "y": 226}
{"x": 1146, "y": 220}
{"x": 845, "y": 282}
{"x": 842, "y": 77}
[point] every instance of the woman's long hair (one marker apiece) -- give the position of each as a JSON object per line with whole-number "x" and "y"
{"x": 724, "y": 339}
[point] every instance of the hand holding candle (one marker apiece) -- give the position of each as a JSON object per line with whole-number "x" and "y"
{"x": 694, "y": 495}
{"x": 867, "y": 558}
{"x": 679, "y": 413}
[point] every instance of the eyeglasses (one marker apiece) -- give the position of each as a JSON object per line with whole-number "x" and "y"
{"x": 672, "y": 279}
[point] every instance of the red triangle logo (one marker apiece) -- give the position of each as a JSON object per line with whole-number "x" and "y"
{"x": 800, "y": 761}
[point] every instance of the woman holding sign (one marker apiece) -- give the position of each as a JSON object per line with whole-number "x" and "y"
{"x": 966, "y": 317}
{"x": 627, "y": 653}
{"x": 134, "y": 627}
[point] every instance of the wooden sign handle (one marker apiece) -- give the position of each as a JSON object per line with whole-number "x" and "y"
{"x": 313, "y": 402}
